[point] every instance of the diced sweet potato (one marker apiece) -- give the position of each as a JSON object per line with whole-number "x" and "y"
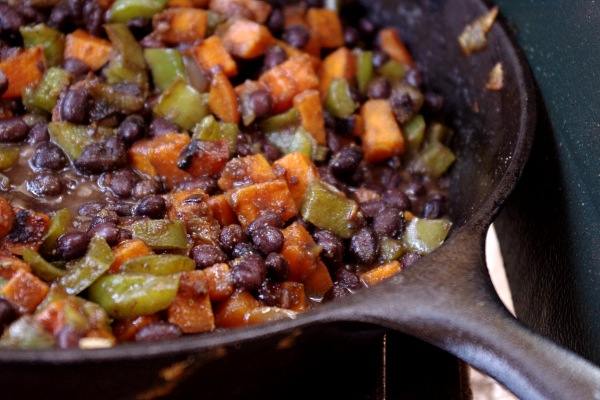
{"x": 391, "y": 43}
{"x": 222, "y": 99}
{"x": 180, "y": 25}
{"x": 209, "y": 157}
{"x": 256, "y": 10}
{"x": 92, "y": 50}
{"x": 247, "y": 39}
{"x": 126, "y": 329}
{"x": 381, "y": 272}
{"x": 310, "y": 108}
{"x": 246, "y": 170}
{"x": 289, "y": 78}
{"x": 192, "y": 310}
{"x": 7, "y": 217}
{"x": 25, "y": 290}
{"x": 301, "y": 251}
{"x": 218, "y": 282}
{"x": 127, "y": 250}
{"x": 23, "y": 70}
{"x": 295, "y": 295}
{"x": 250, "y": 201}
{"x": 319, "y": 281}
{"x": 382, "y": 137}
{"x": 29, "y": 230}
{"x": 221, "y": 210}
{"x": 211, "y": 53}
{"x": 299, "y": 172}
{"x": 325, "y": 25}
{"x": 191, "y": 207}
{"x": 187, "y": 3}
{"x": 234, "y": 311}
{"x": 339, "y": 64}
{"x": 138, "y": 157}
{"x": 10, "y": 264}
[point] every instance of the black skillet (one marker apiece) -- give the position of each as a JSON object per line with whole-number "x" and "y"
{"x": 446, "y": 300}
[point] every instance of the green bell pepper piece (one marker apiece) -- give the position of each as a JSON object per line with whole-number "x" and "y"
{"x": 81, "y": 274}
{"x": 182, "y": 104}
{"x": 127, "y": 103}
{"x": 27, "y": 333}
{"x": 127, "y": 62}
{"x": 433, "y": 159}
{"x": 214, "y": 19}
{"x": 209, "y": 129}
{"x": 45, "y": 94}
{"x": 392, "y": 70}
{"x": 51, "y": 40}
{"x": 166, "y": 66}
{"x": 41, "y": 267}
{"x": 327, "y": 208}
{"x": 300, "y": 140}
{"x": 158, "y": 264}
{"x": 339, "y": 100}
{"x": 285, "y": 121}
{"x": 364, "y": 70}
{"x": 390, "y": 249}
{"x": 161, "y": 234}
{"x": 425, "y": 235}
{"x": 9, "y": 155}
{"x": 124, "y": 10}
{"x": 132, "y": 295}
{"x": 58, "y": 225}
{"x": 438, "y": 132}
{"x": 74, "y": 138}
{"x": 414, "y": 132}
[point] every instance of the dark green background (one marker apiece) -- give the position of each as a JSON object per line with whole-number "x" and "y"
{"x": 550, "y": 229}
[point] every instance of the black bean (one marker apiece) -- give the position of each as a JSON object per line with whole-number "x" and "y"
{"x": 121, "y": 182}
{"x": 403, "y": 106}
{"x": 102, "y": 156}
{"x": 93, "y": 16}
{"x": 271, "y": 152}
{"x": 276, "y": 20}
{"x": 366, "y": 26}
{"x": 38, "y": 133}
{"x": 132, "y": 129}
{"x": 3, "y": 82}
{"x": 8, "y": 312}
{"x": 206, "y": 182}
{"x": 187, "y": 154}
{"x": 409, "y": 259}
{"x": 154, "y": 207}
{"x": 370, "y": 208}
{"x": 125, "y": 234}
{"x": 108, "y": 230}
{"x": 60, "y": 16}
{"x": 49, "y": 156}
{"x": 273, "y": 294}
{"x": 145, "y": 188}
{"x": 379, "y": 88}
{"x": 435, "y": 206}
{"x": 397, "y": 198}
{"x": 243, "y": 249}
{"x": 278, "y": 267}
{"x": 296, "y": 36}
{"x": 274, "y": 56}
{"x": 160, "y": 126}
{"x": 344, "y": 163}
{"x": 414, "y": 189}
{"x": 314, "y": 3}
{"x": 269, "y": 218}
{"x": 76, "y": 7}
{"x": 364, "y": 246}
{"x": 13, "y": 130}
{"x": 268, "y": 239}
{"x": 351, "y": 36}
{"x": 379, "y": 58}
{"x": 347, "y": 279}
{"x": 333, "y": 246}
{"x": 249, "y": 272}
{"x": 122, "y": 209}
{"x": 74, "y": 106}
{"x": 388, "y": 222}
{"x": 10, "y": 19}
{"x": 90, "y": 209}
{"x": 334, "y": 141}
{"x": 260, "y": 102}
{"x": 158, "y": 332}
{"x": 45, "y": 184}
{"x": 72, "y": 245}
{"x": 433, "y": 102}
{"x": 75, "y": 66}
{"x": 337, "y": 291}
{"x": 230, "y": 236}
{"x": 207, "y": 255}
{"x": 68, "y": 337}
{"x": 105, "y": 215}
{"x": 414, "y": 77}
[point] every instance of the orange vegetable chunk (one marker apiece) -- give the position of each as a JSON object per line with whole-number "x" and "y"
{"x": 23, "y": 70}
{"x": 127, "y": 250}
{"x": 310, "y": 108}
{"x": 393, "y": 46}
{"x": 92, "y": 50}
{"x": 10, "y": 264}
{"x": 325, "y": 25}
{"x": 209, "y": 158}
{"x": 180, "y": 25}
{"x": 319, "y": 281}
{"x": 247, "y": 39}
{"x": 256, "y": 10}
{"x": 381, "y": 272}
{"x": 250, "y": 201}
{"x": 191, "y": 207}
{"x": 339, "y": 64}
{"x": 211, "y": 53}
{"x": 25, "y": 290}
{"x": 234, "y": 311}
{"x": 187, "y": 3}
{"x": 301, "y": 251}
{"x": 299, "y": 172}
{"x": 29, "y": 230}
{"x": 126, "y": 329}
{"x": 7, "y": 217}
{"x": 382, "y": 137}
{"x": 222, "y": 98}
{"x": 218, "y": 282}
{"x": 241, "y": 171}
{"x": 221, "y": 210}
{"x": 192, "y": 310}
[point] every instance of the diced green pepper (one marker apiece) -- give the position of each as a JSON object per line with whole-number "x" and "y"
{"x": 280, "y": 122}
{"x": 161, "y": 234}
{"x": 182, "y": 104}
{"x": 132, "y": 295}
{"x": 127, "y": 62}
{"x": 9, "y": 155}
{"x": 158, "y": 264}
{"x": 425, "y": 235}
{"x": 214, "y": 19}
{"x": 26, "y": 333}
{"x": 392, "y": 70}
{"x": 126, "y": 103}
{"x": 438, "y": 132}
{"x": 413, "y": 132}
{"x": 74, "y": 138}
{"x": 300, "y": 140}
{"x": 327, "y": 208}
{"x": 166, "y": 66}
{"x": 45, "y": 94}
{"x": 81, "y": 274}
{"x": 390, "y": 249}
{"x": 51, "y": 40}
{"x": 41, "y": 267}
{"x": 364, "y": 70}
{"x": 339, "y": 100}
{"x": 58, "y": 225}
{"x": 433, "y": 159}
{"x": 209, "y": 128}
{"x": 125, "y": 10}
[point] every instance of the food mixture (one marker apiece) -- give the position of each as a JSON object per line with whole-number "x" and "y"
{"x": 176, "y": 167}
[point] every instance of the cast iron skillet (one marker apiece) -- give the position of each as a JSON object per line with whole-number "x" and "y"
{"x": 447, "y": 299}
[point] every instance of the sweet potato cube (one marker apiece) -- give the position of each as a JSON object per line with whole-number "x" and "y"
{"x": 246, "y": 170}
{"x": 250, "y": 201}
{"x": 192, "y": 310}
{"x": 138, "y": 157}
{"x": 221, "y": 210}
{"x": 289, "y": 78}
{"x": 310, "y": 108}
{"x": 127, "y": 250}
{"x": 295, "y": 296}
{"x": 319, "y": 282}
{"x": 234, "y": 311}
{"x": 25, "y": 290}
{"x": 339, "y": 64}
{"x": 10, "y": 264}
{"x": 180, "y": 25}
{"x": 126, "y": 329}
{"x": 256, "y": 10}
{"x": 29, "y": 230}
{"x": 163, "y": 155}
{"x": 218, "y": 282}
{"x": 299, "y": 171}
{"x": 23, "y": 70}
{"x": 394, "y": 47}
{"x": 211, "y": 53}
{"x": 325, "y": 24}
{"x": 209, "y": 157}
{"x": 187, "y": 3}
{"x": 7, "y": 217}
{"x": 382, "y": 137}
{"x": 301, "y": 251}
{"x": 92, "y": 50}
{"x": 247, "y": 39}
{"x": 191, "y": 207}
{"x": 381, "y": 273}
{"x": 222, "y": 99}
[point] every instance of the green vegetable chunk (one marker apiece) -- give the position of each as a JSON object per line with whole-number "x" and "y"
{"x": 74, "y": 138}
{"x": 127, "y": 62}
{"x": 27, "y": 333}
{"x": 182, "y": 104}
{"x": 41, "y": 267}
{"x": 392, "y": 70}
{"x": 364, "y": 70}
{"x": 166, "y": 66}
{"x": 327, "y": 208}
{"x": 339, "y": 100}
{"x": 414, "y": 132}
{"x": 125, "y": 102}
{"x": 51, "y": 40}
{"x": 132, "y": 295}
{"x": 45, "y": 94}
{"x": 161, "y": 234}
{"x": 209, "y": 129}
{"x": 81, "y": 274}
{"x": 300, "y": 140}
{"x": 125, "y": 10}
{"x": 158, "y": 264}
{"x": 434, "y": 159}
{"x": 390, "y": 249}
{"x": 280, "y": 122}
{"x": 9, "y": 155}
{"x": 58, "y": 225}
{"x": 425, "y": 235}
